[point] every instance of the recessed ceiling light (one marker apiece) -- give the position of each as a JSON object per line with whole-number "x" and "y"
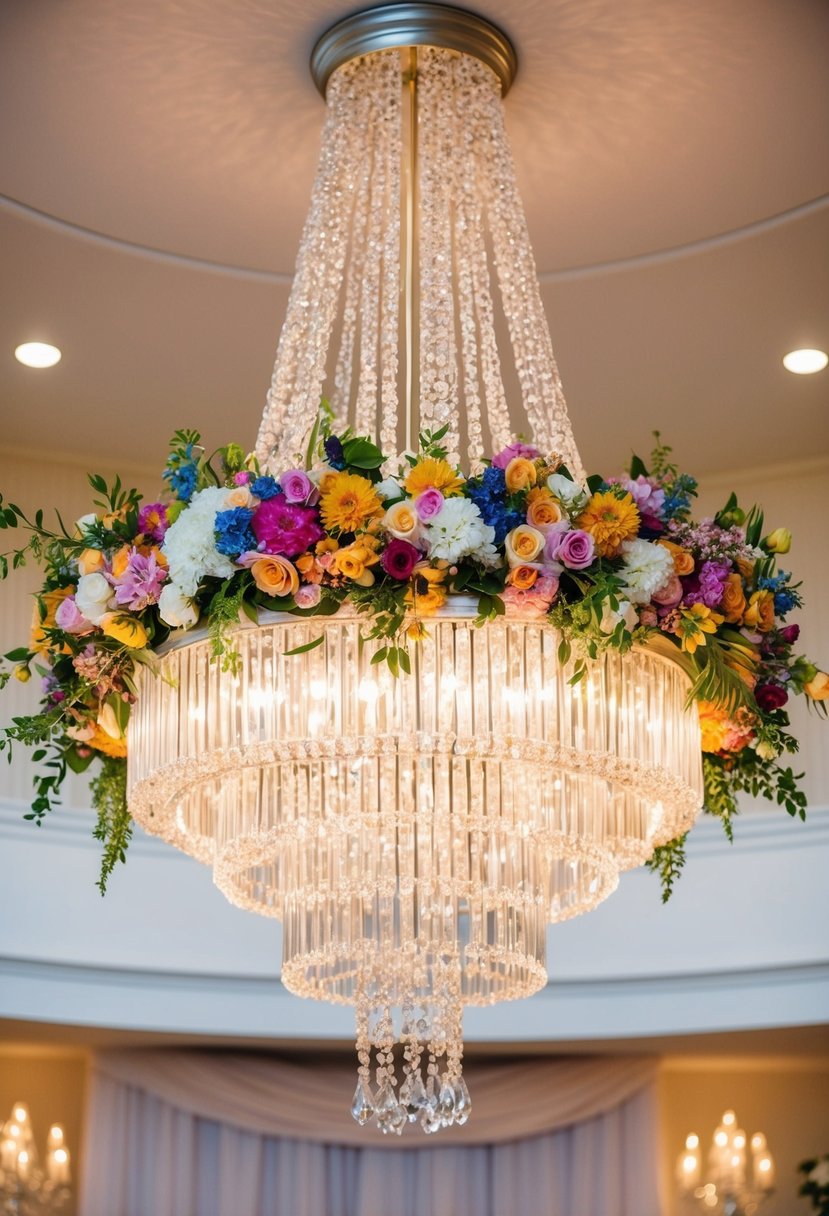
{"x": 804, "y": 362}
{"x": 37, "y": 354}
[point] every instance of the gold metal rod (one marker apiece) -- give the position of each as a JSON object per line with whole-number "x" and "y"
{"x": 410, "y": 83}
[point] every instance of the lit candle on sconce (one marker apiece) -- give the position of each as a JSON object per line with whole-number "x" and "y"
{"x": 57, "y": 1165}
{"x": 689, "y": 1165}
{"x": 24, "y": 1164}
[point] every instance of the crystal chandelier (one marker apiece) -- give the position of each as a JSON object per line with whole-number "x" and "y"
{"x": 415, "y": 835}
{"x": 732, "y": 1187}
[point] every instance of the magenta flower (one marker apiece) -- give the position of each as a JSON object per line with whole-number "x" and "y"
{"x": 770, "y": 696}
{"x": 576, "y": 550}
{"x": 514, "y": 449}
{"x": 285, "y": 528}
{"x": 141, "y": 582}
{"x": 429, "y": 504}
{"x": 296, "y": 486}
{"x": 789, "y": 634}
{"x": 399, "y": 559}
{"x": 241, "y": 479}
{"x": 153, "y": 522}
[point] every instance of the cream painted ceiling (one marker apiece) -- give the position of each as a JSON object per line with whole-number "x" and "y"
{"x": 156, "y": 163}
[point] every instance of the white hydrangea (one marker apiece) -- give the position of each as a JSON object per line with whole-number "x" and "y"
{"x": 458, "y": 531}
{"x": 647, "y": 568}
{"x": 190, "y": 544}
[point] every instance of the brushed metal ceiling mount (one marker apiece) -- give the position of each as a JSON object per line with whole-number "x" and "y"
{"x": 405, "y": 25}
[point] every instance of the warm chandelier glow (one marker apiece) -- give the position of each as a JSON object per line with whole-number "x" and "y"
{"x": 415, "y": 835}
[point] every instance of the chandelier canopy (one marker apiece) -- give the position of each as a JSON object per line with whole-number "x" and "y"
{"x": 415, "y": 831}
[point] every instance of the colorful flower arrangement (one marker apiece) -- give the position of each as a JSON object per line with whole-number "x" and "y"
{"x": 609, "y": 563}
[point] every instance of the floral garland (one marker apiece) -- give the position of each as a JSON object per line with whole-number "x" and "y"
{"x": 609, "y": 564}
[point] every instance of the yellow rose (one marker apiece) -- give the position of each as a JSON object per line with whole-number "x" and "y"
{"x": 401, "y": 520}
{"x": 51, "y": 601}
{"x": 522, "y": 577}
{"x": 91, "y": 561}
{"x": 519, "y": 474}
{"x": 275, "y": 575}
{"x": 778, "y": 541}
{"x": 523, "y": 544}
{"x": 818, "y": 687}
{"x": 683, "y": 561}
{"x": 354, "y": 561}
{"x": 120, "y": 560}
{"x": 125, "y": 629}
{"x": 426, "y": 592}
{"x": 733, "y": 603}
{"x": 542, "y": 509}
{"x": 760, "y": 611}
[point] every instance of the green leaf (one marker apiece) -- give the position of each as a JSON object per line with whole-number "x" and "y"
{"x": 20, "y": 655}
{"x": 379, "y": 655}
{"x": 250, "y": 612}
{"x": 405, "y": 660}
{"x": 595, "y": 482}
{"x": 306, "y": 647}
{"x": 637, "y": 468}
{"x": 362, "y": 454}
{"x": 564, "y": 651}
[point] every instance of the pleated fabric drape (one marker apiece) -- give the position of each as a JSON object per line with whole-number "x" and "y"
{"x": 229, "y": 1134}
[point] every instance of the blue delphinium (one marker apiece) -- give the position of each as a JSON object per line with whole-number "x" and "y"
{"x": 489, "y": 492}
{"x": 233, "y": 531}
{"x": 266, "y": 487}
{"x": 182, "y": 473}
{"x": 785, "y": 597}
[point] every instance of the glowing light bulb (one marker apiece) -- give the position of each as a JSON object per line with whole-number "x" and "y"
{"x": 20, "y": 1114}
{"x": 805, "y": 362}
{"x": 729, "y": 1118}
{"x": 60, "y": 1155}
{"x": 692, "y": 1141}
{"x": 721, "y": 1139}
{"x": 37, "y": 354}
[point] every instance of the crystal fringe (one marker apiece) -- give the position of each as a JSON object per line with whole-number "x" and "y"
{"x": 347, "y": 287}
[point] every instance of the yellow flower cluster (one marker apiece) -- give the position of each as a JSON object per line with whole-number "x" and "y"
{"x": 610, "y": 521}
{"x": 348, "y": 503}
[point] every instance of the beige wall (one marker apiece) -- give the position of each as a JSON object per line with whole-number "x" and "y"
{"x": 52, "y": 1082}
{"x": 785, "y": 1097}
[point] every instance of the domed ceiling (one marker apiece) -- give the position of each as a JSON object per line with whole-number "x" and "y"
{"x": 156, "y": 163}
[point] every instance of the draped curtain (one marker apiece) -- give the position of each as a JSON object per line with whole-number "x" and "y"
{"x": 232, "y": 1134}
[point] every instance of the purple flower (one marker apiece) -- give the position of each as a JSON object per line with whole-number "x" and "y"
{"x": 285, "y": 528}
{"x": 241, "y": 479}
{"x": 141, "y": 582}
{"x": 70, "y": 619}
{"x": 296, "y": 486}
{"x": 646, "y": 493}
{"x": 789, "y": 634}
{"x": 153, "y": 522}
{"x": 399, "y": 559}
{"x": 514, "y": 449}
{"x": 555, "y": 536}
{"x": 429, "y": 504}
{"x": 712, "y": 576}
{"x": 576, "y": 550}
{"x": 770, "y": 696}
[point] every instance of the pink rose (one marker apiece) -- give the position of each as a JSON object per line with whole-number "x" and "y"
{"x": 576, "y": 550}
{"x": 670, "y": 594}
{"x": 69, "y": 618}
{"x": 429, "y": 504}
{"x": 296, "y": 486}
{"x": 308, "y": 595}
{"x": 510, "y": 453}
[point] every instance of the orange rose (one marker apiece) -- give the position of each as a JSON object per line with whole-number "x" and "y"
{"x": 683, "y": 561}
{"x": 91, "y": 561}
{"x": 275, "y": 575}
{"x": 818, "y": 687}
{"x": 746, "y": 568}
{"x": 733, "y": 603}
{"x": 120, "y": 560}
{"x": 519, "y": 474}
{"x": 354, "y": 560}
{"x": 522, "y": 577}
{"x": 760, "y": 611}
{"x": 542, "y": 509}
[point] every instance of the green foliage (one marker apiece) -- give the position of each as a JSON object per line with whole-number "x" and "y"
{"x": 718, "y": 681}
{"x": 667, "y": 861}
{"x": 223, "y": 614}
{"x": 113, "y": 826}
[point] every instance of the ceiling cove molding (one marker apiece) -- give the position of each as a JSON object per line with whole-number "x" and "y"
{"x": 760, "y": 831}
{"x": 573, "y": 1010}
{"x": 566, "y": 274}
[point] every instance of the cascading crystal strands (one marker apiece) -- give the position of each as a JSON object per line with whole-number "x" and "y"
{"x": 415, "y": 836}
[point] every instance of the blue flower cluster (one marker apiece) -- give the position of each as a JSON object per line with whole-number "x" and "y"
{"x": 679, "y": 495}
{"x": 182, "y": 473}
{"x": 234, "y": 534}
{"x": 489, "y": 493}
{"x": 266, "y": 487}
{"x": 785, "y": 597}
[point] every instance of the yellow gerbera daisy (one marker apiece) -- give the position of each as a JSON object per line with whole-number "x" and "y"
{"x": 426, "y": 592}
{"x": 348, "y": 503}
{"x": 610, "y": 521}
{"x": 102, "y": 742}
{"x": 431, "y": 474}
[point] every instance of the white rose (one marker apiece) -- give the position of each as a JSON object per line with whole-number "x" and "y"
{"x": 176, "y": 609}
{"x": 94, "y": 597}
{"x": 527, "y": 555}
{"x": 626, "y": 612}
{"x": 389, "y": 488}
{"x": 569, "y": 492}
{"x": 85, "y": 521}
